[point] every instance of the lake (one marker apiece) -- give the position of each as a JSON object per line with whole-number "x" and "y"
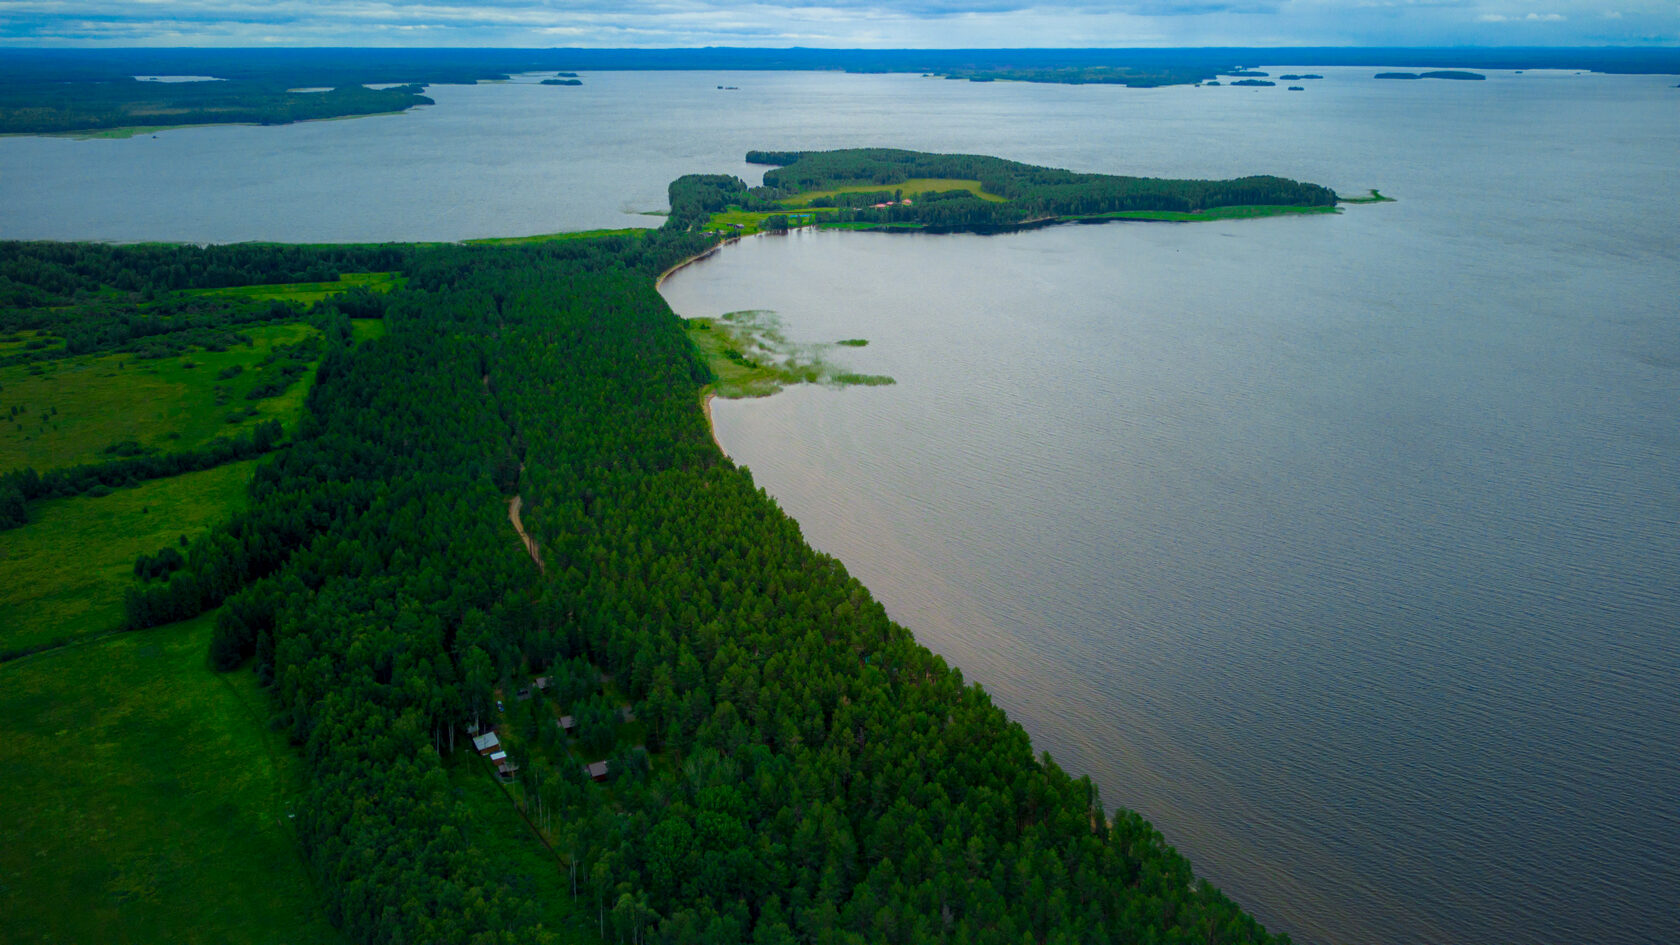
{"x": 1346, "y": 549}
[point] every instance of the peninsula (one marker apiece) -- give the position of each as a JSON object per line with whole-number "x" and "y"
{"x": 431, "y": 571}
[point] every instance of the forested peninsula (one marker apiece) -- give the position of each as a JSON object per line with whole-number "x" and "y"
{"x": 643, "y": 710}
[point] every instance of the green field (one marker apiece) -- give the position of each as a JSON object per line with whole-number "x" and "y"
{"x": 909, "y": 188}
{"x": 752, "y": 221}
{"x": 146, "y": 801}
{"x": 75, "y": 407}
{"x": 62, "y": 575}
{"x": 306, "y": 293}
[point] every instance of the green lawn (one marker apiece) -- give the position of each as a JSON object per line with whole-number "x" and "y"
{"x": 306, "y": 293}
{"x": 75, "y": 407}
{"x": 909, "y": 188}
{"x": 146, "y": 801}
{"x": 62, "y": 575}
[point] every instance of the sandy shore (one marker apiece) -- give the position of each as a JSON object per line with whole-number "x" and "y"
{"x": 706, "y": 407}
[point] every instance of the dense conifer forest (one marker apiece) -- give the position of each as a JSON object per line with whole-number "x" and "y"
{"x": 782, "y": 762}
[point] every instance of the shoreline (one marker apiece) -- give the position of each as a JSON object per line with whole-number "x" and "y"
{"x": 711, "y": 425}
{"x": 684, "y": 264}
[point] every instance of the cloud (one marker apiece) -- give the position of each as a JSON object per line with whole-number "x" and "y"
{"x": 1529, "y": 18}
{"x": 854, "y": 23}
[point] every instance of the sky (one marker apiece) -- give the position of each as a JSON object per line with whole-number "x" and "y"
{"x": 927, "y": 24}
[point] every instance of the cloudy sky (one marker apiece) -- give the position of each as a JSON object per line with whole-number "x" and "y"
{"x": 848, "y": 23}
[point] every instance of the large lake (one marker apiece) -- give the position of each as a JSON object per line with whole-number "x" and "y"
{"x": 1347, "y": 549}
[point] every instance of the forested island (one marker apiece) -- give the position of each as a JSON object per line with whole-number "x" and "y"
{"x": 48, "y": 91}
{"x": 1439, "y": 74}
{"x": 880, "y": 188}
{"x": 539, "y": 663}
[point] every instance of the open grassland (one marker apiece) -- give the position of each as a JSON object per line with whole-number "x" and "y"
{"x": 306, "y": 293}
{"x": 909, "y": 188}
{"x": 498, "y": 829}
{"x": 553, "y": 237}
{"x": 62, "y": 576}
{"x": 72, "y": 409}
{"x": 28, "y": 339}
{"x": 147, "y": 800}
{"x": 752, "y": 221}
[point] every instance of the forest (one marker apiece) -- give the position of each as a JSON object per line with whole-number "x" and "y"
{"x": 770, "y": 759}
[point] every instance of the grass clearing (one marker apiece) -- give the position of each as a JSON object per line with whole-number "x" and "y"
{"x": 496, "y": 827}
{"x": 307, "y": 293}
{"x": 909, "y": 188}
{"x": 752, "y": 221}
{"x": 71, "y": 409}
{"x": 366, "y": 329}
{"x": 147, "y": 800}
{"x": 750, "y": 357}
{"x": 62, "y": 576}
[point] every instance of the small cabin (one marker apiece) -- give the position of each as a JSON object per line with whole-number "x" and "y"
{"x": 596, "y": 770}
{"x": 567, "y": 723}
{"x": 487, "y": 743}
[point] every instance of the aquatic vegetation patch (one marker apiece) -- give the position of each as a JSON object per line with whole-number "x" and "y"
{"x": 750, "y": 356}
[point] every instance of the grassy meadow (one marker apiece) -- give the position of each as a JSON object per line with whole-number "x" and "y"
{"x": 147, "y": 800}
{"x": 70, "y": 410}
{"x": 911, "y": 188}
{"x": 306, "y": 293}
{"x": 62, "y": 575}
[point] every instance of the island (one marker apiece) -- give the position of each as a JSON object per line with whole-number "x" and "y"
{"x": 1440, "y": 74}
{"x": 1257, "y": 82}
{"x": 434, "y": 586}
{"x": 1291, "y": 77}
{"x": 880, "y": 188}
{"x": 572, "y": 81}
